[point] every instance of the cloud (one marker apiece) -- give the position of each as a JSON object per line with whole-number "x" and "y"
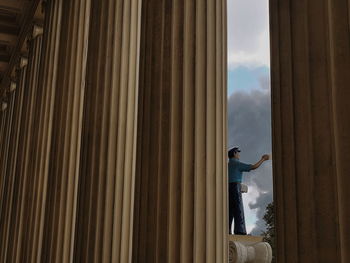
{"x": 260, "y": 206}
{"x": 249, "y": 126}
{"x": 248, "y": 33}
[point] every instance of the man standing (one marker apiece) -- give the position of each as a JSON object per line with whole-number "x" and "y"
{"x": 235, "y": 170}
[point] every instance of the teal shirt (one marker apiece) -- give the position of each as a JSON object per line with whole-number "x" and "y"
{"x": 235, "y": 169}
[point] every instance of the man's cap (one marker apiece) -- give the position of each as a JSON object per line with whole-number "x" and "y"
{"x": 234, "y": 150}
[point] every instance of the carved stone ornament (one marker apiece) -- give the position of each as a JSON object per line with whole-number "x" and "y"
{"x": 23, "y": 62}
{"x": 37, "y": 30}
{"x": 260, "y": 252}
{"x": 13, "y": 86}
{"x": 3, "y": 106}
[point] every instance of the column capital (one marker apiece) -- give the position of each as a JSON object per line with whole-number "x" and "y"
{"x": 240, "y": 252}
{"x": 3, "y": 106}
{"x": 37, "y": 31}
{"x": 23, "y": 62}
{"x": 13, "y": 86}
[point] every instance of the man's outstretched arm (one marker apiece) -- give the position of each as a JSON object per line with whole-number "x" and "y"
{"x": 264, "y": 158}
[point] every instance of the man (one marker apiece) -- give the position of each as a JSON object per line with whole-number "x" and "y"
{"x": 235, "y": 170}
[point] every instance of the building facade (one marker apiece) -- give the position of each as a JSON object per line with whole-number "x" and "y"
{"x": 113, "y": 131}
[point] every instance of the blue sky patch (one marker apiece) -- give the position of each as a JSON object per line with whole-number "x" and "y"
{"x": 245, "y": 78}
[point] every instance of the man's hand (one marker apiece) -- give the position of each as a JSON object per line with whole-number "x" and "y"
{"x": 265, "y": 157}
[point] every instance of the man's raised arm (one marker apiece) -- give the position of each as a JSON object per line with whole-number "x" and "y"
{"x": 264, "y": 158}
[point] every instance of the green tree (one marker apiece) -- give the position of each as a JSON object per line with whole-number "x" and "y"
{"x": 269, "y": 234}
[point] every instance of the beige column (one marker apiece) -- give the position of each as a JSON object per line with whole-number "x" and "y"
{"x": 12, "y": 181}
{"x": 311, "y": 132}
{"x": 16, "y": 92}
{"x": 6, "y": 111}
{"x": 23, "y": 157}
{"x": 30, "y": 189}
{"x": 106, "y": 183}
{"x": 64, "y": 160}
{"x": 44, "y": 118}
{"x": 181, "y": 181}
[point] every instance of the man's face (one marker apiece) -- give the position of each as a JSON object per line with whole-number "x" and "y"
{"x": 236, "y": 155}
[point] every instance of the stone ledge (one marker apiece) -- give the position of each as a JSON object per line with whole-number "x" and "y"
{"x": 245, "y": 239}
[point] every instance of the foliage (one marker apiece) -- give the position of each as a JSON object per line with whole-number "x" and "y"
{"x": 269, "y": 234}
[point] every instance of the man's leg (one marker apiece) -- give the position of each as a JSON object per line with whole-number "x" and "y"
{"x": 238, "y": 211}
{"x": 230, "y": 206}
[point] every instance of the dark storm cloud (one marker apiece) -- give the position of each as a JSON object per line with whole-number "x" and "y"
{"x": 249, "y": 127}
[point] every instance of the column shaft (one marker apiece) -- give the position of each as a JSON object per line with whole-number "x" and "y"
{"x": 29, "y": 192}
{"x": 106, "y": 187}
{"x": 181, "y": 188}
{"x": 44, "y": 118}
{"x": 11, "y": 185}
{"x": 63, "y": 166}
{"x": 310, "y": 74}
{"x": 339, "y": 33}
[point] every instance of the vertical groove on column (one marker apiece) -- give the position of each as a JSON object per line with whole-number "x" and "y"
{"x": 181, "y": 169}
{"x": 200, "y": 132}
{"x": 142, "y": 209}
{"x": 174, "y": 203}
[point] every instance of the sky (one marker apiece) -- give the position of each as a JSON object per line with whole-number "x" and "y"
{"x": 249, "y": 101}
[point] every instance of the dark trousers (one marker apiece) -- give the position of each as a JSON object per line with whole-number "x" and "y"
{"x": 236, "y": 211}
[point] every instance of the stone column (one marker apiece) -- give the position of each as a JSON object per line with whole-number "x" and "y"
{"x": 31, "y": 190}
{"x": 181, "y": 180}
{"x": 339, "y": 59}
{"x": 10, "y": 189}
{"x": 311, "y": 132}
{"x": 7, "y": 113}
{"x": 64, "y": 160}
{"x": 106, "y": 182}
{"x": 44, "y": 117}
{"x": 25, "y": 150}
{"x": 19, "y": 186}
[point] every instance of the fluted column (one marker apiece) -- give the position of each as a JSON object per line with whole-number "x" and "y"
{"x": 24, "y": 152}
{"x": 44, "y": 118}
{"x": 106, "y": 182}
{"x": 30, "y": 183}
{"x": 181, "y": 180}
{"x": 10, "y": 189}
{"x": 311, "y": 132}
{"x": 63, "y": 166}
{"x": 7, "y": 108}
{"x": 339, "y": 33}
{"x": 7, "y": 113}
